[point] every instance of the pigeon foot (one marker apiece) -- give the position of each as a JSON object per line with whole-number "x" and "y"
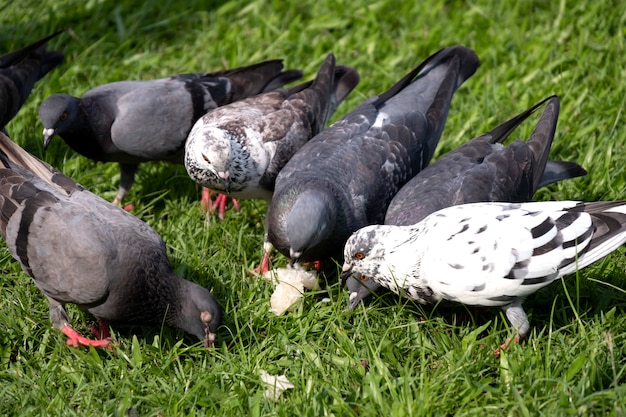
{"x": 128, "y": 207}
{"x": 101, "y": 330}
{"x": 75, "y": 339}
{"x": 220, "y": 203}
{"x": 505, "y": 345}
{"x": 264, "y": 266}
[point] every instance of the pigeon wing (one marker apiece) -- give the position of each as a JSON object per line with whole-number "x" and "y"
{"x": 489, "y": 254}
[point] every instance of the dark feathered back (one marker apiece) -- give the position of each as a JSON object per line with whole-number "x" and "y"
{"x": 19, "y": 71}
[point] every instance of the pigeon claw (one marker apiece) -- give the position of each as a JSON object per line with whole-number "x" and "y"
{"x": 264, "y": 266}
{"x": 220, "y": 203}
{"x": 209, "y": 341}
{"x": 101, "y": 330}
{"x": 128, "y": 207}
{"x": 75, "y": 339}
{"x": 505, "y": 345}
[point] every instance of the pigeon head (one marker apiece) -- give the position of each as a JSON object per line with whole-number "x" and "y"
{"x": 310, "y": 222}
{"x": 366, "y": 251}
{"x": 58, "y": 113}
{"x": 208, "y": 157}
{"x": 201, "y": 314}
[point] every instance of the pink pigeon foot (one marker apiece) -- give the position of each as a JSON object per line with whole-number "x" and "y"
{"x": 75, "y": 339}
{"x": 505, "y": 345}
{"x": 128, "y": 207}
{"x": 220, "y": 203}
{"x": 101, "y": 330}
{"x": 264, "y": 266}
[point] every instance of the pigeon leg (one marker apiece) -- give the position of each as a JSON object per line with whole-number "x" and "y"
{"x": 265, "y": 261}
{"x": 101, "y": 330}
{"x": 75, "y": 339}
{"x": 219, "y": 204}
{"x": 127, "y": 178}
{"x": 205, "y": 201}
{"x": 518, "y": 319}
{"x": 264, "y": 266}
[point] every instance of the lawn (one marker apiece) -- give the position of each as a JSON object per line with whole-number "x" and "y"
{"x": 391, "y": 357}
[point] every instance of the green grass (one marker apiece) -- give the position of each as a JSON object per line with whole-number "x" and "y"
{"x": 420, "y": 361}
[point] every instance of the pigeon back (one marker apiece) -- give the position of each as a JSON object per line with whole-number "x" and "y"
{"x": 483, "y": 170}
{"x": 19, "y": 71}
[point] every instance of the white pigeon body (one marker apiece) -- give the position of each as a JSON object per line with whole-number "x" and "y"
{"x": 487, "y": 254}
{"x": 226, "y": 156}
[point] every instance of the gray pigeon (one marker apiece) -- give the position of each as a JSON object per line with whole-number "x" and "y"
{"x": 344, "y": 178}
{"x": 481, "y": 170}
{"x": 80, "y": 249}
{"x": 239, "y": 148}
{"x": 19, "y": 71}
{"x": 130, "y": 122}
{"x": 487, "y": 254}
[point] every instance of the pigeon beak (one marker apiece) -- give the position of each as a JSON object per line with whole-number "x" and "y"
{"x": 209, "y": 341}
{"x": 346, "y": 271}
{"x": 48, "y": 134}
{"x": 225, "y": 177}
{"x": 209, "y": 336}
{"x": 294, "y": 255}
{"x": 354, "y": 300}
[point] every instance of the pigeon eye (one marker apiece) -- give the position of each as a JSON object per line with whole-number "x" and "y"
{"x": 206, "y": 159}
{"x": 359, "y": 255}
{"x": 63, "y": 116}
{"x": 363, "y": 277}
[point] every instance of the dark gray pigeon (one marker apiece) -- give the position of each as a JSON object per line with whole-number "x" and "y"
{"x": 130, "y": 122}
{"x": 80, "y": 249}
{"x": 344, "y": 178}
{"x": 19, "y": 71}
{"x": 481, "y": 170}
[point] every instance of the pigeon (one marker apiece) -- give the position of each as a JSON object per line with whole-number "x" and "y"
{"x": 20, "y": 70}
{"x": 239, "y": 148}
{"x": 481, "y": 170}
{"x": 130, "y": 122}
{"x": 344, "y": 178}
{"x": 81, "y": 249}
{"x": 487, "y": 254}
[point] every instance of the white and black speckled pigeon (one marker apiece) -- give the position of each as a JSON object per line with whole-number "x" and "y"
{"x": 344, "y": 178}
{"x": 19, "y": 71}
{"x": 481, "y": 170}
{"x": 239, "y": 148}
{"x": 130, "y": 122}
{"x": 80, "y": 249}
{"x": 487, "y": 254}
